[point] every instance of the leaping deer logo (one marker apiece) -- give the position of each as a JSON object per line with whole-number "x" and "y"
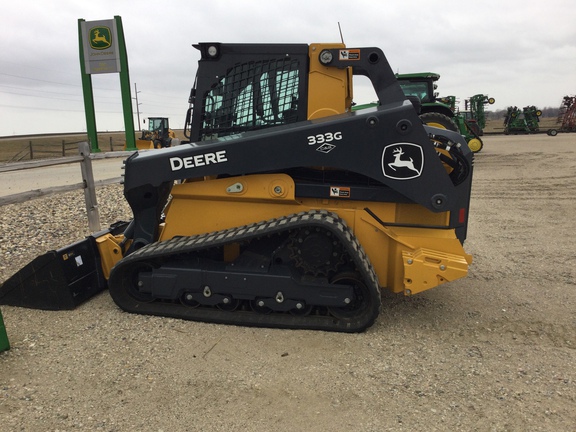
{"x": 100, "y": 38}
{"x": 97, "y": 38}
{"x": 399, "y": 163}
{"x": 402, "y": 161}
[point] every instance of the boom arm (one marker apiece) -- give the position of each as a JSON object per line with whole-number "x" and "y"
{"x": 387, "y": 144}
{"x": 369, "y": 62}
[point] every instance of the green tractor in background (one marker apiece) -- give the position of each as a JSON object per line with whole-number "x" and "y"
{"x": 523, "y": 122}
{"x": 442, "y": 112}
{"x": 434, "y": 111}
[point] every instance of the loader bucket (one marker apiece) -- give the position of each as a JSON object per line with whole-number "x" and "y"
{"x": 58, "y": 280}
{"x": 4, "y": 344}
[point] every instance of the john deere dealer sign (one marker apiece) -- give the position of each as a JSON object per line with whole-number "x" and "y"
{"x": 100, "y": 44}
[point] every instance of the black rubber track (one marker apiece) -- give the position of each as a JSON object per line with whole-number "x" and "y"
{"x": 121, "y": 277}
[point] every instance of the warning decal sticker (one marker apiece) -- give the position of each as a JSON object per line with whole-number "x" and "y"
{"x": 351, "y": 54}
{"x": 339, "y": 192}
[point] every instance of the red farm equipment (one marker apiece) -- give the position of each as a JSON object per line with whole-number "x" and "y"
{"x": 566, "y": 116}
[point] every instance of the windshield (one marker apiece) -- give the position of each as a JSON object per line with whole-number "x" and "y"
{"x": 155, "y": 124}
{"x": 415, "y": 88}
{"x": 252, "y": 96}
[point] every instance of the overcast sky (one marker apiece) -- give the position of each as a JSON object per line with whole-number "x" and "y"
{"x": 521, "y": 53}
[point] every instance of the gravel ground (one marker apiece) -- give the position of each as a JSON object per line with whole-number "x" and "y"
{"x": 492, "y": 352}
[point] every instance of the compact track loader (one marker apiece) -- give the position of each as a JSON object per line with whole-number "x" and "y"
{"x": 286, "y": 209}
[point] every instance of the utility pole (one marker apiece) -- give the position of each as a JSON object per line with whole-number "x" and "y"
{"x": 137, "y": 107}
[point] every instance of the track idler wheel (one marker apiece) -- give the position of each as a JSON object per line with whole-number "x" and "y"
{"x": 187, "y": 299}
{"x": 259, "y": 306}
{"x": 136, "y": 283}
{"x": 301, "y": 309}
{"x": 359, "y": 304}
{"x": 229, "y": 304}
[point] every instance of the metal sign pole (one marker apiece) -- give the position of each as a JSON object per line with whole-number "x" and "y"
{"x": 125, "y": 88}
{"x": 88, "y": 96}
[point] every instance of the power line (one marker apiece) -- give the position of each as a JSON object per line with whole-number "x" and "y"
{"x": 164, "y": 103}
{"x": 37, "y": 79}
{"x": 36, "y": 108}
{"x": 43, "y": 97}
{"x": 161, "y": 106}
{"x": 78, "y": 94}
{"x": 35, "y": 90}
{"x": 51, "y": 82}
{"x": 43, "y": 69}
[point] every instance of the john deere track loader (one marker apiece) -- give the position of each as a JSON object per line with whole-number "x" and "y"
{"x": 286, "y": 209}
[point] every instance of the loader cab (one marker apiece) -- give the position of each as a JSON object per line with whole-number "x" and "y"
{"x": 155, "y": 135}
{"x": 241, "y": 88}
{"x": 159, "y": 130}
{"x": 158, "y": 124}
{"x": 245, "y": 87}
{"x": 422, "y": 85}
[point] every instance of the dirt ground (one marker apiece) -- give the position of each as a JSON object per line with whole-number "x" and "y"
{"x": 495, "y": 351}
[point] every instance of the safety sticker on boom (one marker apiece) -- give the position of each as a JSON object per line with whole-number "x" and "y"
{"x": 349, "y": 54}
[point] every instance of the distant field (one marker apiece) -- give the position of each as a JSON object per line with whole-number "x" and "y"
{"x": 48, "y": 146}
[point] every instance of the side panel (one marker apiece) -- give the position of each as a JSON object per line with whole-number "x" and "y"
{"x": 400, "y": 239}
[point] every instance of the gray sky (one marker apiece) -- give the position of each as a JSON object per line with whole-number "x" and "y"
{"x": 521, "y": 53}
